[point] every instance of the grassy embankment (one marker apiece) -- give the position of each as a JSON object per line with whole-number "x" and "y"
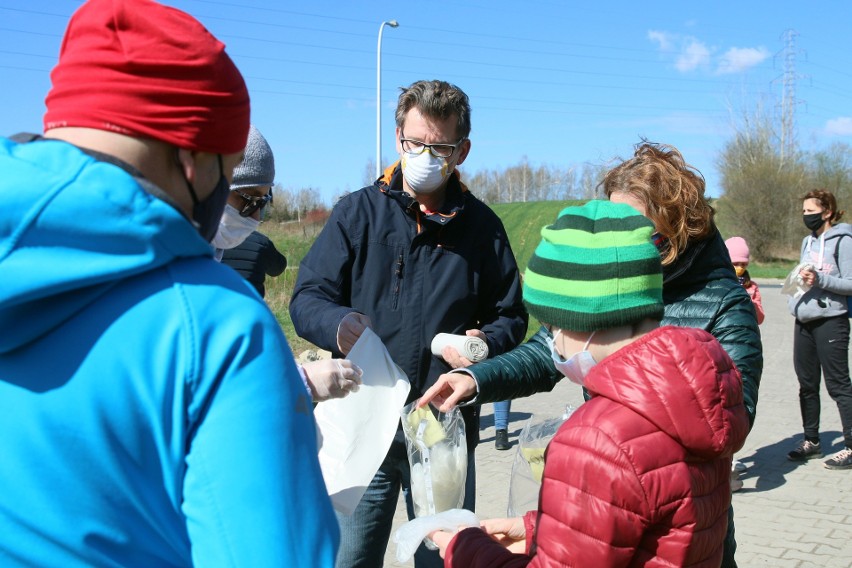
{"x": 523, "y": 221}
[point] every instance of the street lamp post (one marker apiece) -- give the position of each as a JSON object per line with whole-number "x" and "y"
{"x": 393, "y": 24}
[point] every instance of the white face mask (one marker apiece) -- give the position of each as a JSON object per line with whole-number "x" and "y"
{"x": 233, "y": 229}
{"x": 578, "y": 365}
{"x": 424, "y": 172}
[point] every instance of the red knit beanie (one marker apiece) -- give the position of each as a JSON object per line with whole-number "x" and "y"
{"x": 738, "y": 249}
{"x": 147, "y": 70}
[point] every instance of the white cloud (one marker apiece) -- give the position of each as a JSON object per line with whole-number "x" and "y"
{"x": 693, "y": 55}
{"x": 840, "y": 126}
{"x": 662, "y": 39}
{"x": 689, "y": 53}
{"x": 738, "y": 59}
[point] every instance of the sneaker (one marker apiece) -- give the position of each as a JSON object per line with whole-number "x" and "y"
{"x": 807, "y": 450}
{"x": 739, "y": 467}
{"x": 736, "y": 482}
{"x": 501, "y": 440}
{"x": 841, "y": 460}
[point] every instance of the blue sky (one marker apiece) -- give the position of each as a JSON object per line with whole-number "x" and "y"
{"x": 557, "y": 82}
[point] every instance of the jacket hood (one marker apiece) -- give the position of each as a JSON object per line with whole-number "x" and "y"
{"x": 838, "y": 230}
{"x": 701, "y": 262}
{"x": 71, "y": 228}
{"x": 681, "y": 380}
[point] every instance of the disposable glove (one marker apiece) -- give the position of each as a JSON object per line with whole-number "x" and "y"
{"x": 332, "y": 378}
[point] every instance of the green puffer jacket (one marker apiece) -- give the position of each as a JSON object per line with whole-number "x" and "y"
{"x": 700, "y": 290}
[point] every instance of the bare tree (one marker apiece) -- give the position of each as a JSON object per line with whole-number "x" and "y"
{"x": 761, "y": 188}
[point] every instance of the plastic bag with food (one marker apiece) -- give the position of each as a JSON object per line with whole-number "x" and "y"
{"x": 528, "y": 467}
{"x": 437, "y": 453}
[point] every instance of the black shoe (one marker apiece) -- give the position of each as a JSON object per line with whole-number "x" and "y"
{"x": 501, "y": 440}
{"x": 807, "y": 450}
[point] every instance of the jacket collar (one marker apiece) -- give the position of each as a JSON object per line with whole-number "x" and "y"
{"x": 456, "y": 193}
{"x": 702, "y": 260}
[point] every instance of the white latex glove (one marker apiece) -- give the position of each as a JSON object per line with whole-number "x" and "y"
{"x": 350, "y": 329}
{"x": 332, "y": 378}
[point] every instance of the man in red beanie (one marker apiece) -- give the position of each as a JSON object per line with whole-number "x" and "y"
{"x": 151, "y": 411}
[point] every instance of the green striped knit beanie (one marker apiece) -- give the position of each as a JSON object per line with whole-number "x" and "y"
{"x": 595, "y": 268}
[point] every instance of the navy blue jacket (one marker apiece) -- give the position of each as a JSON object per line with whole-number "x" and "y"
{"x": 254, "y": 259}
{"x": 414, "y": 275}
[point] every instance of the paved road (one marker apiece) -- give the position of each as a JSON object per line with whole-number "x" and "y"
{"x": 787, "y": 515}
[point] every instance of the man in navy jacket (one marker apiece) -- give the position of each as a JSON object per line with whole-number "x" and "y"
{"x": 413, "y": 255}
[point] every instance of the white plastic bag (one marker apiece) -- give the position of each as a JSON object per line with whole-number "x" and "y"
{"x": 793, "y": 285}
{"x": 356, "y": 432}
{"x": 409, "y": 536}
{"x": 437, "y": 453}
{"x": 528, "y": 467}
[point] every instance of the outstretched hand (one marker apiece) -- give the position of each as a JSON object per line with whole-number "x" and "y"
{"x": 332, "y": 378}
{"x": 442, "y": 540}
{"x": 510, "y": 533}
{"x": 448, "y": 391}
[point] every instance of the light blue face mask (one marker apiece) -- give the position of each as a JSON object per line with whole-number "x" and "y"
{"x": 578, "y": 365}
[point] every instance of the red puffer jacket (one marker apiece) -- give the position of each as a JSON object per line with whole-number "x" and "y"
{"x": 638, "y": 475}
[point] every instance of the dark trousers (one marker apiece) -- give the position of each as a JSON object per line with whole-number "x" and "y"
{"x": 823, "y": 345}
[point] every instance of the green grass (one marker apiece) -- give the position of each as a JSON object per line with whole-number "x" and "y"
{"x": 523, "y": 222}
{"x": 777, "y": 268}
{"x": 293, "y": 240}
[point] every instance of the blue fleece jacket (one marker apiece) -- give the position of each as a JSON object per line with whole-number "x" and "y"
{"x": 150, "y": 409}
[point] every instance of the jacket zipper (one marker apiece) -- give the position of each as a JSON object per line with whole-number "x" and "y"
{"x": 400, "y": 264}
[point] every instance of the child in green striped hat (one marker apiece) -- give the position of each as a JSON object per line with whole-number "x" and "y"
{"x": 595, "y": 269}
{"x": 625, "y": 474}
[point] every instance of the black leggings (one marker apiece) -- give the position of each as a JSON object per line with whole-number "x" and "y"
{"x": 823, "y": 344}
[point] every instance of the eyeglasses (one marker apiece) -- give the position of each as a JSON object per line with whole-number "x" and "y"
{"x": 253, "y": 202}
{"x": 416, "y": 147}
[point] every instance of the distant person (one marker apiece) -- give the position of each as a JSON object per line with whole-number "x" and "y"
{"x": 501, "y": 424}
{"x": 739, "y": 253}
{"x": 244, "y": 249}
{"x": 151, "y": 411}
{"x": 821, "y": 331}
{"x": 625, "y": 474}
{"x": 738, "y": 249}
{"x": 251, "y": 192}
{"x": 413, "y": 255}
{"x": 700, "y": 290}
{"x": 254, "y": 259}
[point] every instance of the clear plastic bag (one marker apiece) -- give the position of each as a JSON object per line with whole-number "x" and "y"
{"x": 437, "y": 453}
{"x": 409, "y": 536}
{"x": 793, "y": 285}
{"x": 528, "y": 467}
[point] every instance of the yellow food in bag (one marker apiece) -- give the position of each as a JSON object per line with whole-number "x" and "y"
{"x": 535, "y": 457}
{"x": 434, "y": 433}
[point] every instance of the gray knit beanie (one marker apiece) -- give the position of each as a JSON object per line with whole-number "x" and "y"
{"x": 258, "y": 165}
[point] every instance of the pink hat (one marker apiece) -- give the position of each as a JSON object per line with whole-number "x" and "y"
{"x": 738, "y": 249}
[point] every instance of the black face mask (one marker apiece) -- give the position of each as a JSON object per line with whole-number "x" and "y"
{"x": 813, "y": 221}
{"x": 208, "y": 213}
